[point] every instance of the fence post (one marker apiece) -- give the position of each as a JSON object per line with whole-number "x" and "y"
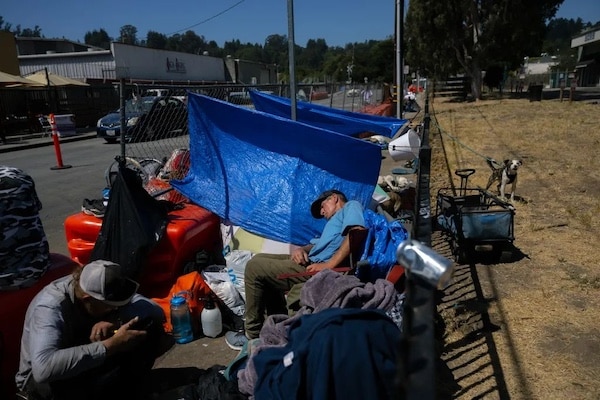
{"x": 416, "y": 375}
{"x": 59, "y": 160}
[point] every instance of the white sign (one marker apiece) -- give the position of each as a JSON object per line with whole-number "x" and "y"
{"x": 136, "y": 62}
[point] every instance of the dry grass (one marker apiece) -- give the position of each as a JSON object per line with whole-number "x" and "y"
{"x": 526, "y": 329}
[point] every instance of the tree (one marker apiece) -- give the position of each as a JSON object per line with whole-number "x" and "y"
{"x": 214, "y": 50}
{"x": 128, "y": 34}
{"x": 189, "y": 42}
{"x": 335, "y": 64}
{"x": 17, "y": 31}
{"x": 155, "y": 40}
{"x": 28, "y": 32}
{"x": 98, "y": 38}
{"x": 5, "y": 26}
{"x": 231, "y": 48}
{"x": 275, "y": 50}
{"x": 313, "y": 55}
{"x": 382, "y": 58}
{"x": 558, "y": 41}
{"x": 250, "y": 52}
{"x": 468, "y": 36}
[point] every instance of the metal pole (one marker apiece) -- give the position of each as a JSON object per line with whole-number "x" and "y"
{"x": 399, "y": 60}
{"x": 122, "y": 115}
{"x": 291, "y": 48}
{"x": 52, "y": 96}
{"x": 420, "y": 299}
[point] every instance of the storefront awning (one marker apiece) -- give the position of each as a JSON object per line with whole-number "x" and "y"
{"x": 583, "y": 64}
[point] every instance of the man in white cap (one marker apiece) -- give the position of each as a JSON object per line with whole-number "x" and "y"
{"x": 265, "y": 292}
{"x": 83, "y": 337}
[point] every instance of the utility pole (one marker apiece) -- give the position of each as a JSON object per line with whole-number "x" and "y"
{"x": 399, "y": 61}
{"x": 291, "y": 58}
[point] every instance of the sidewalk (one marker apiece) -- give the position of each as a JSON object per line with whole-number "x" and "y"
{"x": 32, "y": 140}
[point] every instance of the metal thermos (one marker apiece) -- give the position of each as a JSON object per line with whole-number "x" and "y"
{"x": 424, "y": 262}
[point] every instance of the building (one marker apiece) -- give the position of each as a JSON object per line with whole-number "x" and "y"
{"x": 251, "y": 72}
{"x": 135, "y": 64}
{"x": 8, "y": 62}
{"x": 587, "y": 69}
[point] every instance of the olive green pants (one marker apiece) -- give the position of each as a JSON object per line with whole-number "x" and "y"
{"x": 265, "y": 293}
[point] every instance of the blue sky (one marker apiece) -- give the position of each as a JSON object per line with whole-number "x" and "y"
{"x": 337, "y": 21}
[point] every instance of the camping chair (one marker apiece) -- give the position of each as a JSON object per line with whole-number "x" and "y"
{"x": 357, "y": 238}
{"x": 46, "y": 127}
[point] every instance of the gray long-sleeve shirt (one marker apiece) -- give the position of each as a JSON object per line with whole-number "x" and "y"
{"x": 55, "y": 342}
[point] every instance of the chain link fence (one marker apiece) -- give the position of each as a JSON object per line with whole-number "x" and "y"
{"x": 156, "y": 116}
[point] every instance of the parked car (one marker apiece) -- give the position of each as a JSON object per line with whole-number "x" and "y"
{"x": 164, "y": 93}
{"x": 146, "y": 118}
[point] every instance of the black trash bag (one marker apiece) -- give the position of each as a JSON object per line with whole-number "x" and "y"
{"x": 133, "y": 223}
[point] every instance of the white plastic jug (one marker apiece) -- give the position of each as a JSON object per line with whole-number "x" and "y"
{"x": 212, "y": 323}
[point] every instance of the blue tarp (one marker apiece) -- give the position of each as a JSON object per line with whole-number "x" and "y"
{"x": 262, "y": 172}
{"x": 340, "y": 121}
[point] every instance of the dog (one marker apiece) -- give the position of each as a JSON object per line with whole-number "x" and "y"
{"x": 504, "y": 174}
{"x": 392, "y": 183}
{"x": 393, "y": 186}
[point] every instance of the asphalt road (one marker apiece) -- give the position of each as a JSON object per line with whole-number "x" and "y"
{"x": 62, "y": 190}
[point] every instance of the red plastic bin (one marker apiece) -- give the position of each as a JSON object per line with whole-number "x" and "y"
{"x": 189, "y": 230}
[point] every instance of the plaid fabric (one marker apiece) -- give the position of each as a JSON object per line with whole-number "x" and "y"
{"x": 396, "y": 312}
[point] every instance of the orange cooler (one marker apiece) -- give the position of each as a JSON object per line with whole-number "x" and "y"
{"x": 189, "y": 230}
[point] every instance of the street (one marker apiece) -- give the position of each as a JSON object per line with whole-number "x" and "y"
{"x": 62, "y": 191}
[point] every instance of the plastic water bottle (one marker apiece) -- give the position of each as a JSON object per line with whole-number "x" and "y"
{"x": 212, "y": 323}
{"x": 181, "y": 320}
{"x": 105, "y": 196}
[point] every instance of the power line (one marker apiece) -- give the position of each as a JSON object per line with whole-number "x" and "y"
{"x": 208, "y": 19}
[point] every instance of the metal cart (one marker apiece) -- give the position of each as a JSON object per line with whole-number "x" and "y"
{"x": 474, "y": 218}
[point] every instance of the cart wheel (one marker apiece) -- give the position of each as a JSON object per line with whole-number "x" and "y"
{"x": 461, "y": 255}
{"x": 505, "y": 254}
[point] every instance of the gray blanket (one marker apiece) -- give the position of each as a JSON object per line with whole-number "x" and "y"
{"x": 327, "y": 289}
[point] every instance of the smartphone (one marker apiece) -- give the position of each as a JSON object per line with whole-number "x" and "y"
{"x": 142, "y": 324}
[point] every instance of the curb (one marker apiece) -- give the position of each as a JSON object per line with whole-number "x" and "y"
{"x": 36, "y": 140}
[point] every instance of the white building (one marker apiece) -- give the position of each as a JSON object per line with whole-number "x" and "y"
{"x": 588, "y": 57}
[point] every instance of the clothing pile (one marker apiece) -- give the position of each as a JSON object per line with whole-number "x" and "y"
{"x": 346, "y": 301}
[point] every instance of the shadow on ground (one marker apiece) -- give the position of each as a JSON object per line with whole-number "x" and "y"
{"x": 469, "y": 366}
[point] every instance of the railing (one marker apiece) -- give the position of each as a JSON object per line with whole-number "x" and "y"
{"x": 417, "y": 377}
{"x": 459, "y": 87}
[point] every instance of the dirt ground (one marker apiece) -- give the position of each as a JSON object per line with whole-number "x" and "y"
{"x": 525, "y": 328}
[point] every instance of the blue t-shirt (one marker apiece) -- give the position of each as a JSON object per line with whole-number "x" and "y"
{"x": 336, "y": 228}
